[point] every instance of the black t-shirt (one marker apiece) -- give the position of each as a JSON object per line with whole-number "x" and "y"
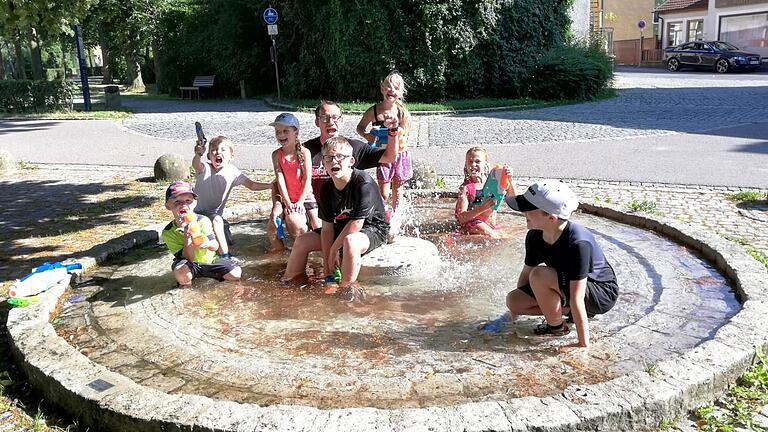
{"x": 360, "y": 199}
{"x": 365, "y": 155}
{"x": 575, "y": 253}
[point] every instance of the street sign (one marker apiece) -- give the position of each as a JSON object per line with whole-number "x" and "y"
{"x": 270, "y": 16}
{"x": 641, "y": 24}
{"x": 272, "y": 29}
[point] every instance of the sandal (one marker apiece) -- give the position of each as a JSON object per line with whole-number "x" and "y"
{"x": 544, "y": 329}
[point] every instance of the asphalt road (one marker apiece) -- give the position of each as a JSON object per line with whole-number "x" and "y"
{"x": 681, "y": 128}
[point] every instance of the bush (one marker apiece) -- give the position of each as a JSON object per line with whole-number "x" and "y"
{"x": 571, "y": 71}
{"x": 23, "y": 96}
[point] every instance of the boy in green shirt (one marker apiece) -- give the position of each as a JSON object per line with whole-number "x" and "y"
{"x": 193, "y": 244}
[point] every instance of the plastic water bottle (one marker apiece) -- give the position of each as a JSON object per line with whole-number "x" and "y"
{"x": 280, "y": 230}
{"x": 36, "y": 283}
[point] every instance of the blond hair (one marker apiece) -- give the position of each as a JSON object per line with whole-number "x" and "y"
{"x": 393, "y": 80}
{"x": 221, "y": 141}
{"x": 479, "y": 150}
{"x": 336, "y": 143}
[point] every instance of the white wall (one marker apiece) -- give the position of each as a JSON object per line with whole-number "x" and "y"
{"x": 716, "y": 13}
{"x": 684, "y": 17}
{"x": 580, "y": 19}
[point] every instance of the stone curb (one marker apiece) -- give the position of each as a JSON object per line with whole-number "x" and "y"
{"x": 639, "y": 400}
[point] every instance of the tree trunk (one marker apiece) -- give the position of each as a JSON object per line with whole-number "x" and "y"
{"x": 136, "y": 83}
{"x": 106, "y": 58}
{"x": 64, "y": 49}
{"x": 158, "y": 71}
{"x": 20, "y": 72}
{"x": 2, "y": 63}
{"x": 34, "y": 50}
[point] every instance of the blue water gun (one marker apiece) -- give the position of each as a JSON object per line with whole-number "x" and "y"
{"x": 280, "y": 229}
{"x": 42, "y": 278}
{"x": 381, "y": 135}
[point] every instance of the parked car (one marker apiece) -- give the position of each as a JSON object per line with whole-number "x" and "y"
{"x": 721, "y": 56}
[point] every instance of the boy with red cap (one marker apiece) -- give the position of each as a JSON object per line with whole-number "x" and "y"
{"x": 192, "y": 260}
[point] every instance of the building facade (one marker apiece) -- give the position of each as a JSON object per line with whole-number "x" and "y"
{"x": 743, "y": 23}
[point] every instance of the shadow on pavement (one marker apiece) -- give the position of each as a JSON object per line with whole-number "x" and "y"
{"x": 43, "y": 208}
{"x": 11, "y": 126}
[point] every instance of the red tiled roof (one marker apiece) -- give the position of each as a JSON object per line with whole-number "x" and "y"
{"x": 676, "y": 5}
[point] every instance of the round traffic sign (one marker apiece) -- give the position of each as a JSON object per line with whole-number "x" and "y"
{"x": 641, "y": 24}
{"x": 270, "y": 15}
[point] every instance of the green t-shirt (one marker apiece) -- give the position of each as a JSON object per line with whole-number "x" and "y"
{"x": 173, "y": 236}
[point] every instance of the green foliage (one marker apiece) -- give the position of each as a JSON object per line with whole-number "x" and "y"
{"x": 22, "y": 96}
{"x": 739, "y": 406}
{"x": 644, "y": 206}
{"x": 746, "y": 196}
{"x": 571, "y": 72}
{"x": 444, "y": 48}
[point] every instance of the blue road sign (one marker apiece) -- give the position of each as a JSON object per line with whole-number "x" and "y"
{"x": 270, "y": 15}
{"x": 641, "y": 24}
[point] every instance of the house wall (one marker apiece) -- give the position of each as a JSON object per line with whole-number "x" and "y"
{"x": 628, "y": 14}
{"x": 684, "y": 18}
{"x": 737, "y": 7}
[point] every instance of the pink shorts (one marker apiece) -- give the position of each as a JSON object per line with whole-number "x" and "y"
{"x": 401, "y": 170}
{"x": 467, "y": 227}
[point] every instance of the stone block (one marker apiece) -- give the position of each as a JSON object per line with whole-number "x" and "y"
{"x": 7, "y": 163}
{"x": 171, "y": 167}
{"x": 424, "y": 176}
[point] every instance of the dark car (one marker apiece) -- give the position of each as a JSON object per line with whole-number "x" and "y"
{"x": 720, "y": 56}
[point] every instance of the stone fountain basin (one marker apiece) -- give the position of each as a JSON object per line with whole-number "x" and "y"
{"x": 636, "y": 400}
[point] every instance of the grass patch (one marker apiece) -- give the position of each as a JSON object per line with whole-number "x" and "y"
{"x": 746, "y": 197}
{"x": 643, "y": 206}
{"x": 309, "y": 105}
{"x": 759, "y": 256}
{"x": 742, "y": 402}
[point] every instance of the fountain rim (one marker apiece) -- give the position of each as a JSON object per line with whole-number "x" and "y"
{"x": 639, "y": 399}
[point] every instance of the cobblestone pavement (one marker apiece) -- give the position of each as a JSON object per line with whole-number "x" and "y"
{"x": 649, "y": 105}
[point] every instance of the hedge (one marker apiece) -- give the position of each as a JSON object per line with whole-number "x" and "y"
{"x": 24, "y": 96}
{"x": 573, "y": 71}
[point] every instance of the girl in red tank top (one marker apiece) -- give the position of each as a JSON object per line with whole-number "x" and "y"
{"x": 294, "y": 201}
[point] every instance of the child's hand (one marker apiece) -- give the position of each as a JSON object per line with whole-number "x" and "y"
{"x": 298, "y": 207}
{"x": 199, "y": 148}
{"x": 391, "y": 122}
{"x": 507, "y": 170}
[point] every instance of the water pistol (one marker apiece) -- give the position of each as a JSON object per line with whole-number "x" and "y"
{"x": 280, "y": 229}
{"x": 382, "y": 137}
{"x": 22, "y": 301}
{"x": 190, "y": 221}
{"x": 335, "y": 277}
{"x": 42, "y": 278}
{"x": 200, "y": 134}
{"x": 496, "y": 185}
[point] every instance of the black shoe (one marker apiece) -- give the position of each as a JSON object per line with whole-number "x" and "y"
{"x": 544, "y": 329}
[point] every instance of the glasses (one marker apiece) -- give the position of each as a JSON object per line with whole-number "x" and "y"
{"x": 337, "y": 158}
{"x": 329, "y": 118}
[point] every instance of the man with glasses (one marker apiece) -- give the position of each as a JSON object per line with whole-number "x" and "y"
{"x": 354, "y": 223}
{"x": 329, "y": 120}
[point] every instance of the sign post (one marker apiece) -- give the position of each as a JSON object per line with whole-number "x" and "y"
{"x": 270, "y": 17}
{"x": 641, "y": 26}
{"x": 83, "y": 69}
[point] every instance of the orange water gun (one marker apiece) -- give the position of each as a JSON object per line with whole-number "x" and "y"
{"x": 190, "y": 221}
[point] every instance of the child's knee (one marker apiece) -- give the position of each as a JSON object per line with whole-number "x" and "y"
{"x": 183, "y": 275}
{"x": 234, "y": 274}
{"x": 353, "y": 245}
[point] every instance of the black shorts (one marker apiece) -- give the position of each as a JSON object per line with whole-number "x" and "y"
{"x": 215, "y": 270}
{"x": 375, "y": 239}
{"x": 600, "y": 296}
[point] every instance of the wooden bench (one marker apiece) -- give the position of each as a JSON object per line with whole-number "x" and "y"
{"x": 205, "y": 81}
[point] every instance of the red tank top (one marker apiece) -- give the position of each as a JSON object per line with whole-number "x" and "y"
{"x": 292, "y": 173}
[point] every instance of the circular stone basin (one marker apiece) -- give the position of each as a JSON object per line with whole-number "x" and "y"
{"x": 412, "y": 343}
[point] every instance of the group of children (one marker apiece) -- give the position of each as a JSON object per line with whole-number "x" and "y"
{"x": 348, "y": 216}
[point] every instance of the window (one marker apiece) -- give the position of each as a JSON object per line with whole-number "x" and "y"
{"x": 745, "y": 30}
{"x": 674, "y": 33}
{"x": 696, "y": 30}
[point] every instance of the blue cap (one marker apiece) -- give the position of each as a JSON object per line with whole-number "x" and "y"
{"x": 286, "y": 119}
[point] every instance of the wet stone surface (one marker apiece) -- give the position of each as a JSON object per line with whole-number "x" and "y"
{"x": 413, "y": 342}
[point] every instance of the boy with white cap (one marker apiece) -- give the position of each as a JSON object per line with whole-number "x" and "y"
{"x": 575, "y": 278}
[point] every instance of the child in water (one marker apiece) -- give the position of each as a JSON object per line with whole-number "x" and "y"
{"x": 294, "y": 201}
{"x": 474, "y": 212}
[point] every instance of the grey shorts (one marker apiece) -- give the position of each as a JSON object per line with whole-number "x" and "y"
{"x": 600, "y": 296}
{"x": 375, "y": 238}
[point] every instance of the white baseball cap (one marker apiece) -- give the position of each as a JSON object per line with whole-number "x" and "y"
{"x": 286, "y": 119}
{"x": 550, "y": 195}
